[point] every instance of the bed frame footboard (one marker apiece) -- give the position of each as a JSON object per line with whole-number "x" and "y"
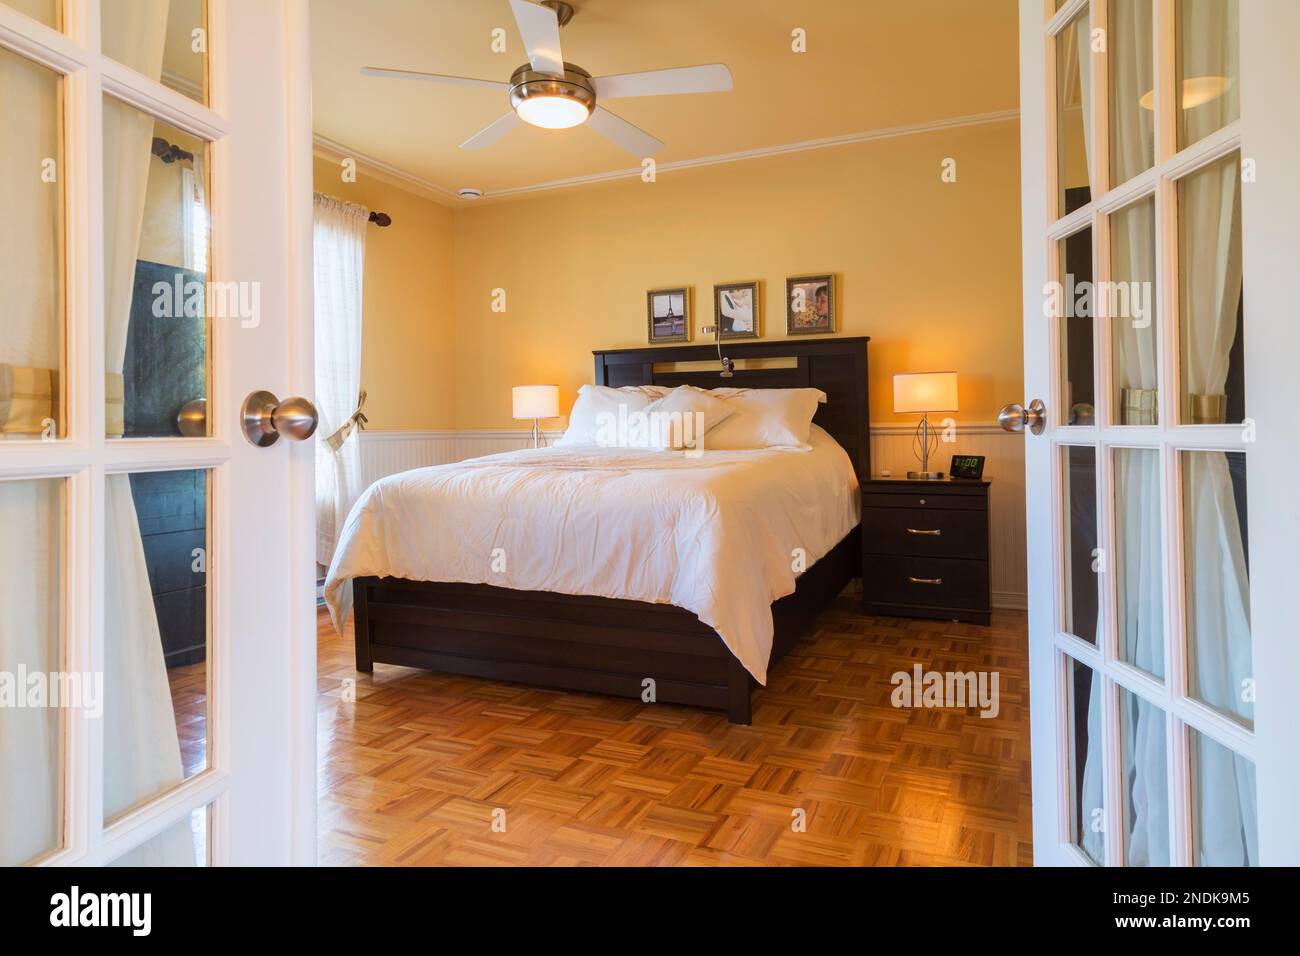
{"x": 650, "y": 652}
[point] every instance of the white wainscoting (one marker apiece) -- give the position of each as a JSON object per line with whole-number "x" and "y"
{"x": 386, "y": 453}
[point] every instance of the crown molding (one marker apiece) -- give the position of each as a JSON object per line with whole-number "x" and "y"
{"x": 331, "y": 149}
{"x": 848, "y": 139}
{"x": 336, "y": 152}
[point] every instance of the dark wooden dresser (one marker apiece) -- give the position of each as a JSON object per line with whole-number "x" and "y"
{"x": 925, "y": 549}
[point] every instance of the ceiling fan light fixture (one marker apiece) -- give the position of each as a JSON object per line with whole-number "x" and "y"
{"x": 553, "y": 112}
{"x": 552, "y": 102}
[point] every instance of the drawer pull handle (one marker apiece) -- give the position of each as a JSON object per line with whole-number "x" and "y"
{"x": 925, "y": 580}
{"x": 930, "y": 531}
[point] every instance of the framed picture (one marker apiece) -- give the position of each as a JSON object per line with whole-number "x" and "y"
{"x": 668, "y": 315}
{"x": 809, "y": 305}
{"x": 736, "y": 311}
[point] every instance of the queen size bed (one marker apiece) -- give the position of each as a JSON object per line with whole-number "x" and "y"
{"x": 655, "y": 574}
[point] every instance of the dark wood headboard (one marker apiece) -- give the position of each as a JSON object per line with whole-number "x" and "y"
{"x": 838, "y": 366}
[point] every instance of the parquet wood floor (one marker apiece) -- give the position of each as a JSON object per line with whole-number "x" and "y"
{"x": 429, "y": 769}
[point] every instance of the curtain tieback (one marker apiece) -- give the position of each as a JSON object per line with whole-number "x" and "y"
{"x": 1208, "y": 409}
{"x": 354, "y": 421}
{"x": 1138, "y": 406}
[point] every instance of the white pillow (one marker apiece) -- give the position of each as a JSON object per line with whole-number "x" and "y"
{"x": 682, "y": 417}
{"x": 765, "y": 417}
{"x": 593, "y": 400}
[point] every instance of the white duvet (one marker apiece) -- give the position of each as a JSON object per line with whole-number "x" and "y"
{"x": 717, "y": 534}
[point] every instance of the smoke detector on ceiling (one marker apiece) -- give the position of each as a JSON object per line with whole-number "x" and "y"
{"x": 469, "y": 192}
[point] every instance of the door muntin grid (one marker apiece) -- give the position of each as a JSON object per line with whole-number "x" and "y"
{"x": 1146, "y": 674}
{"x": 85, "y": 460}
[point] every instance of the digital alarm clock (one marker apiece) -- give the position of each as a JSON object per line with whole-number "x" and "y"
{"x": 966, "y": 466}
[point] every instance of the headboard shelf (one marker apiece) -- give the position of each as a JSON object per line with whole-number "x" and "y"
{"x": 837, "y": 366}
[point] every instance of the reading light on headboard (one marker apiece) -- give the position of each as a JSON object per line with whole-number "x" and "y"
{"x": 716, "y": 332}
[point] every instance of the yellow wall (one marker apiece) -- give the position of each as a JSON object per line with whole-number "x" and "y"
{"x": 407, "y": 355}
{"x": 930, "y": 270}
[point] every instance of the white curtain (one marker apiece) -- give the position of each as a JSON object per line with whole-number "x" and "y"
{"x": 141, "y": 750}
{"x": 1137, "y": 484}
{"x": 339, "y": 248}
{"x": 29, "y": 510}
{"x": 1218, "y": 599}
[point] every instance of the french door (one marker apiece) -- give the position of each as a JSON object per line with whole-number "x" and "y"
{"x": 1160, "y": 230}
{"x": 157, "y": 663}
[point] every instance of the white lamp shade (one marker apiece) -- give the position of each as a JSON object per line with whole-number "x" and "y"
{"x": 536, "y": 401}
{"x": 925, "y": 392}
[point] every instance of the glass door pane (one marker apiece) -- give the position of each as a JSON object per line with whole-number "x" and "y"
{"x": 48, "y": 12}
{"x": 1134, "y": 396}
{"x": 1079, "y": 496}
{"x": 1210, "y": 300}
{"x": 1209, "y": 82}
{"x": 1224, "y": 822}
{"x": 1073, "y": 123}
{"x": 166, "y": 40}
{"x": 1144, "y": 784}
{"x": 1085, "y": 767}
{"x": 185, "y": 843}
{"x": 1078, "y": 308}
{"x": 35, "y": 691}
{"x": 156, "y": 237}
{"x": 1139, "y": 559}
{"x": 1216, "y": 557}
{"x": 156, "y": 635}
{"x": 1132, "y": 89}
{"x": 31, "y": 251}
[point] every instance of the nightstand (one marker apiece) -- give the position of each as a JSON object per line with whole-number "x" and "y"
{"x": 925, "y": 549}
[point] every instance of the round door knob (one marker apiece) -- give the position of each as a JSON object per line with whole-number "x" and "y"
{"x": 266, "y": 418}
{"x": 1014, "y": 417}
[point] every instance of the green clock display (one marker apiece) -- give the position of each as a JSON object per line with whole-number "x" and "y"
{"x": 966, "y": 466}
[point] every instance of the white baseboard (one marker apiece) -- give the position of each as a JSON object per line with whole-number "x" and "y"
{"x": 1011, "y": 600}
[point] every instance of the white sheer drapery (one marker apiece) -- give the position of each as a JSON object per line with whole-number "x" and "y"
{"x": 339, "y": 248}
{"x": 1139, "y": 547}
{"x": 1210, "y": 290}
{"x": 29, "y": 510}
{"x": 141, "y": 749}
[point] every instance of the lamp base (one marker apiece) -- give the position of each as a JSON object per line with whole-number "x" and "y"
{"x": 925, "y": 476}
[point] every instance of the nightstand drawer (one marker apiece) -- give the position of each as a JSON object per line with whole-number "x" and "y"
{"x": 925, "y": 532}
{"x": 924, "y": 499}
{"x": 933, "y": 582}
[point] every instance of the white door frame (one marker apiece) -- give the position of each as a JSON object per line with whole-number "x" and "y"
{"x": 260, "y": 780}
{"x": 1266, "y": 133}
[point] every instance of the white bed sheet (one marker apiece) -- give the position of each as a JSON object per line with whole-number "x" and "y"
{"x": 716, "y": 534}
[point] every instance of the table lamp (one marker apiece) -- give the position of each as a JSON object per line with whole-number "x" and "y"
{"x": 536, "y": 401}
{"x": 925, "y": 392}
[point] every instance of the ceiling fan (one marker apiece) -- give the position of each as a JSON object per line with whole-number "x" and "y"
{"x": 550, "y": 93}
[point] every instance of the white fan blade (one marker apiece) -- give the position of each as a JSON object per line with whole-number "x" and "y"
{"x": 713, "y": 78}
{"x": 622, "y": 133}
{"x": 541, "y": 32}
{"x": 490, "y": 134}
{"x": 434, "y": 78}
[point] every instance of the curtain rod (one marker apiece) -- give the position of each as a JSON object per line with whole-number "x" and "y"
{"x": 381, "y": 219}
{"x": 170, "y": 152}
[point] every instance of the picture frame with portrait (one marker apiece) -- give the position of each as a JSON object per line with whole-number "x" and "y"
{"x": 810, "y": 305}
{"x": 737, "y": 311}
